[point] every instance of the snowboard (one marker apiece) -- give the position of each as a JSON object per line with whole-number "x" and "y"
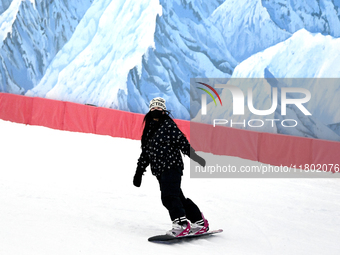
{"x": 169, "y": 239}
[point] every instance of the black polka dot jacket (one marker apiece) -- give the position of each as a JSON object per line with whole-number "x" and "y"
{"x": 162, "y": 150}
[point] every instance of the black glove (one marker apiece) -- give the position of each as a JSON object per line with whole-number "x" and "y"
{"x": 197, "y": 158}
{"x": 137, "y": 179}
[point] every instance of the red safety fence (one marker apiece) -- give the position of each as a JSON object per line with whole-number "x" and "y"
{"x": 74, "y": 117}
{"x": 274, "y": 149}
{"x": 267, "y": 148}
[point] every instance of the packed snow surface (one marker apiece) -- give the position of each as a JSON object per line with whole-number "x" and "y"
{"x": 72, "y": 193}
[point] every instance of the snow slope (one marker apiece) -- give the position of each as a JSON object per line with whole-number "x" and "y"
{"x": 123, "y": 53}
{"x": 93, "y": 65}
{"x": 72, "y": 193}
{"x": 317, "y": 16}
{"x": 247, "y": 27}
{"x": 306, "y": 55}
{"x": 303, "y": 55}
{"x": 250, "y": 26}
{"x": 4, "y": 4}
{"x": 187, "y": 45}
{"x": 154, "y": 51}
{"x": 31, "y": 34}
{"x": 7, "y": 19}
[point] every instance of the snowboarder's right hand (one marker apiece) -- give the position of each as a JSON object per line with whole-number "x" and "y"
{"x": 197, "y": 158}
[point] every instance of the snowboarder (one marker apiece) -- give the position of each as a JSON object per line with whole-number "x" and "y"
{"x": 162, "y": 142}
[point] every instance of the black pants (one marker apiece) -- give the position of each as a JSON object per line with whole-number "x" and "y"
{"x": 173, "y": 198}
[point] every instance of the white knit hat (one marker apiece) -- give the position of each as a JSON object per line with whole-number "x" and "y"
{"x": 157, "y": 102}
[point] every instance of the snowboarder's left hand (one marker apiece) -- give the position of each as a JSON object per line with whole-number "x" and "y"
{"x": 137, "y": 179}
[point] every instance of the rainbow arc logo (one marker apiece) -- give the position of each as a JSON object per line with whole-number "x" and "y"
{"x": 209, "y": 93}
{"x": 204, "y": 98}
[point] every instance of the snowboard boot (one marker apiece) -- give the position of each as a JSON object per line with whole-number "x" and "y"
{"x": 180, "y": 227}
{"x": 199, "y": 227}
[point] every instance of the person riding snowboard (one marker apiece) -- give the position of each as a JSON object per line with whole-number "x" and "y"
{"x": 162, "y": 141}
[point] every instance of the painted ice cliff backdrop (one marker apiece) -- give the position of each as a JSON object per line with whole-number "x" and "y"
{"x": 122, "y": 53}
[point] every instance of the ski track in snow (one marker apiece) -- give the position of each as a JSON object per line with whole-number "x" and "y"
{"x": 71, "y": 193}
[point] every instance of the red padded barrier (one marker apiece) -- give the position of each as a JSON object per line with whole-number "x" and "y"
{"x": 15, "y": 108}
{"x": 235, "y": 142}
{"x": 80, "y": 118}
{"x": 268, "y": 148}
{"x": 325, "y": 153}
{"x": 132, "y": 125}
{"x": 284, "y": 150}
{"x": 201, "y": 136}
{"x": 119, "y": 124}
{"x": 224, "y": 140}
{"x": 48, "y": 113}
{"x": 184, "y": 126}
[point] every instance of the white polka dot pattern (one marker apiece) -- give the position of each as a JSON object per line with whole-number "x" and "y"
{"x": 162, "y": 151}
